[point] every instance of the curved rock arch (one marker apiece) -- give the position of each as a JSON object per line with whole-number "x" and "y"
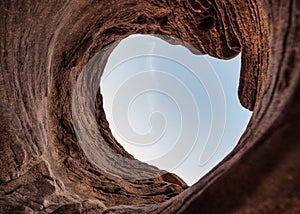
{"x": 44, "y": 47}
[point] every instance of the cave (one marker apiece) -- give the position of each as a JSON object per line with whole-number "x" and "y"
{"x": 50, "y": 105}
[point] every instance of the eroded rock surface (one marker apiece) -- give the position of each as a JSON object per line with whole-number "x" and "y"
{"x": 44, "y": 48}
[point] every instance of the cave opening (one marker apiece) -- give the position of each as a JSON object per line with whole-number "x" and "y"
{"x": 177, "y": 111}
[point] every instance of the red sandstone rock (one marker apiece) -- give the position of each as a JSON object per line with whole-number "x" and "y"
{"x": 44, "y": 47}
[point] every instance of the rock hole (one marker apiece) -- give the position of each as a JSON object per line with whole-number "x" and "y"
{"x": 141, "y": 19}
{"x": 207, "y": 22}
{"x": 171, "y": 108}
{"x": 163, "y": 20}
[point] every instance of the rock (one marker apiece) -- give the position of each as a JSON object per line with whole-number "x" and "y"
{"x": 44, "y": 48}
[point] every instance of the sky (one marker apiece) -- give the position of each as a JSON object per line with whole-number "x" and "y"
{"x": 171, "y": 108}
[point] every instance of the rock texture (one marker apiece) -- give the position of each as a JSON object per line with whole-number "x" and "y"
{"x": 44, "y": 47}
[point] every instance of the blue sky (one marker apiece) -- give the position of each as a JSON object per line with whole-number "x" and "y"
{"x": 171, "y": 108}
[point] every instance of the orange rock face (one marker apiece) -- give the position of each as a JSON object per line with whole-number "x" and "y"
{"x": 44, "y": 49}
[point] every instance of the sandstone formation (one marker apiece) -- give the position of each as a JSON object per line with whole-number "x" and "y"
{"x": 44, "y": 48}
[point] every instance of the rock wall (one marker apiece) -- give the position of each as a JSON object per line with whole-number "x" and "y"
{"x": 44, "y": 48}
